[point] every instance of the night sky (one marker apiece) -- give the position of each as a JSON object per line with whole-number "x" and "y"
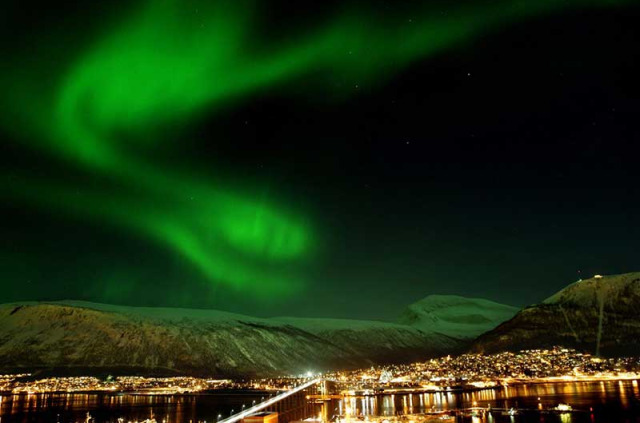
{"x": 341, "y": 159}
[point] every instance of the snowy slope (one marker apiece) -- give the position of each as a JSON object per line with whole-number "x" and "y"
{"x": 170, "y": 314}
{"x": 83, "y": 335}
{"x": 459, "y": 317}
{"x": 318, "y": 325}
{"x": 133, "y": 339}
{"x": 46, "y": 335}
{"x": 366, "y": 337}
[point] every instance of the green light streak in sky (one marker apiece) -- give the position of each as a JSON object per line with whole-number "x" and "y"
{"x": 170, "y": 61}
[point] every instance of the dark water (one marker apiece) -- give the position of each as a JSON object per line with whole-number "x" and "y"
{"x": 104, "y": 407}
{"x": 607, "y": 402}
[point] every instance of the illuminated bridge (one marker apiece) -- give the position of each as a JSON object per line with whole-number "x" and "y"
{"x": 290, "y": 405}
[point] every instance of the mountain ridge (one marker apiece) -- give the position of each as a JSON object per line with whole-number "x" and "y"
{"x": 78, "y": 334}
{"x": 571, "y": 318}
{"x": 463, "y": 317}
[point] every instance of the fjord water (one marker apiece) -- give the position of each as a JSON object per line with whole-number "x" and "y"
{"x": 107, "y": 407}
{"x": 606, "y": 402}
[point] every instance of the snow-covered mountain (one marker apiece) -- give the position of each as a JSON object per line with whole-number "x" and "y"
{"x": 455, "y": 316}
{"x": 383, "y": 342}
{"x": 67, "y": 335}
{"x": 571, "y": 318}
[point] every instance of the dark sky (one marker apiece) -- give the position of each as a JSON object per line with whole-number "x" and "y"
{"x": 505, "y": 166}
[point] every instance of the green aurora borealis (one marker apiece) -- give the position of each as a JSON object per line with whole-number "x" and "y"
{"x": 108, "y": 104}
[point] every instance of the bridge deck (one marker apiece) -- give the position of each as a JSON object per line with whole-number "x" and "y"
{"x": 269, "y": 402}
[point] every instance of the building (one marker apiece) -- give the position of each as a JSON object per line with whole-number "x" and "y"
{"x": 262, "y": 417}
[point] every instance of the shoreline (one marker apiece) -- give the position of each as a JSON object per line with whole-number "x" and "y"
{"x": 511, "y": 382}
{"x": 406, "y": 391}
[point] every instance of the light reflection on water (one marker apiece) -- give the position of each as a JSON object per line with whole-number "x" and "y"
{"x": 106, "y": 407}
{"x": 611, "y": 401}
